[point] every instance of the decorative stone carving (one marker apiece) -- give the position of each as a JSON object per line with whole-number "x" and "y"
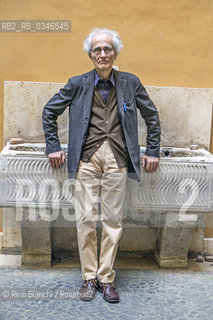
{"x": 184, "y": 180}
{"x": 177, "y": 193}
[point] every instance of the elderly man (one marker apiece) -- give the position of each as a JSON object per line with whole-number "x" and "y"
{"x": 103, "y": 148}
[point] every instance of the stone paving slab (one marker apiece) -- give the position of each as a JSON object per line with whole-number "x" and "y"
{"x": 144, "y": 294}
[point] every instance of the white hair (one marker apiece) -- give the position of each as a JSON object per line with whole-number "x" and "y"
{"x": 116, "y": 40}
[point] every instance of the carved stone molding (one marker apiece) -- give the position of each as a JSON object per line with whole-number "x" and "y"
{"x": 184, "y": 180}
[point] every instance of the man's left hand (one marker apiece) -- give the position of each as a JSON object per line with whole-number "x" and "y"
{"x": 150, "y": 163}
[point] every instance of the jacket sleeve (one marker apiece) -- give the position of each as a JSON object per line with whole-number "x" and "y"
{"x": 54, "y": 108}
{"x": 150, "y": 115}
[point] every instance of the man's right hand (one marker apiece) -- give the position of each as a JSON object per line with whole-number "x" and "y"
{"x": 56, "y": 159}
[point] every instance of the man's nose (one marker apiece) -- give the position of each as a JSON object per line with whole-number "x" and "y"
{"x": 102, "y": 53}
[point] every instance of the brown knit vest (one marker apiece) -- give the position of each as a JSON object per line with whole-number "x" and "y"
{"x": 105, "y": 124}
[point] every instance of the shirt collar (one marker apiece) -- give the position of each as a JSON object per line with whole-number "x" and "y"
{"x": 111, "y": 78}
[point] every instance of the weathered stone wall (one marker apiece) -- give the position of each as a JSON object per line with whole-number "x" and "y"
{"x": 185, "y": 113}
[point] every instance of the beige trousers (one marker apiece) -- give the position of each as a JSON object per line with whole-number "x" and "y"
{"x": 100, "y": 176}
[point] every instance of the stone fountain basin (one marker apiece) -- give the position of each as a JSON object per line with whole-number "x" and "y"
{"x": 161, "y": 213}
{"x": 184, "y": 180}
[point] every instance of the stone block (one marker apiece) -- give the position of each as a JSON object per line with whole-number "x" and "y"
{"x": 36, "y": 242}
{"x": 28, "y": 99}
{"x": 179, "y": 109}
{"x": 173, "y": 239}
{"x": 36, "y": 261}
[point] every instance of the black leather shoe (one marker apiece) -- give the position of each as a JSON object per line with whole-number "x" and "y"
{"x": 87, "y": 290}
{"x": 109, "y": 292}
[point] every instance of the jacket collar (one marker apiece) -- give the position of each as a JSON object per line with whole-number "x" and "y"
{"x": 88, "y": 88}
{"x": 120, "y": 85}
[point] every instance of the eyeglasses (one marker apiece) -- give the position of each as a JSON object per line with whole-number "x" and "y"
{"x": 98, "y": 50}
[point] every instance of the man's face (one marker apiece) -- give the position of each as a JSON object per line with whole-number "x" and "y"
{"x": 103, "y": 54}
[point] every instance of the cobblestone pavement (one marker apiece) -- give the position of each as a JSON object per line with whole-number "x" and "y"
{"x": 144, "y": 294}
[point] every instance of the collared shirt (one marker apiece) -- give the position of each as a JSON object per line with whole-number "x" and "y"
{"x": 105, "y": 85}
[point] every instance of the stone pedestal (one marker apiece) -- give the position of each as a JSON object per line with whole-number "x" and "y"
{"x": 174, "y": 235}
{"x": 36, "y": 240}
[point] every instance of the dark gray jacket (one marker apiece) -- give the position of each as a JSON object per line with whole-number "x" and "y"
{"x": 77, "y": 94}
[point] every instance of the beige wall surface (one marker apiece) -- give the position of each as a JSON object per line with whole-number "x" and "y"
{"x": 166, "y": 42}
